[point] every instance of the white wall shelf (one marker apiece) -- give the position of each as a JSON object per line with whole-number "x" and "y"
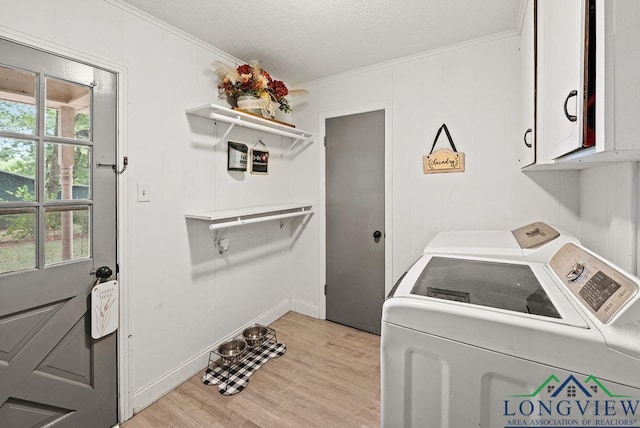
{"x": 238, "y": 118}
{"x": 240, "y": 216}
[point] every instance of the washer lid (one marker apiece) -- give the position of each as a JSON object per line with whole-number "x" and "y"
{"x": 508, "y": 286}
{"x": 509, "y": 290}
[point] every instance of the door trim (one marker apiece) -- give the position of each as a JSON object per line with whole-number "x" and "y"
{"x": 322, "y": 199}
{"x": 125, "y": 410}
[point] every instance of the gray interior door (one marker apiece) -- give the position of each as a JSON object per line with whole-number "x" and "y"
{"x": 57, "y": 225}
{"x": 355, "y": 219}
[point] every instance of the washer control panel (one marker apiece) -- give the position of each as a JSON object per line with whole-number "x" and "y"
{"x": 600, "y": 287}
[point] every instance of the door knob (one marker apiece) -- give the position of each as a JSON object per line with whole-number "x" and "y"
{"x": 377, "y": 235}
{"x": 103, "y": 273}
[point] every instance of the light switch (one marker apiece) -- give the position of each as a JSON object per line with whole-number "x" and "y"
{"x": 144, "y": 192}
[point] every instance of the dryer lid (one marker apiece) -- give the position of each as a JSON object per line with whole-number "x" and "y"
{"x": 509, "y": 286}
{"x": 498, "y": 243}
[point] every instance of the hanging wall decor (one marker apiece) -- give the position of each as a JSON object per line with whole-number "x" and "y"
{"x": 259, "y": 159}
{"x": 443, "y": 160}
{"x": 237, "y": 156}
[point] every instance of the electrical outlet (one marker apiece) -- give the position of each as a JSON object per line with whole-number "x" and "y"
{"x": 144, "y": 192}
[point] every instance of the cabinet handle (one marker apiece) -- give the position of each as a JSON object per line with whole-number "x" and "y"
{"x": 571, "y": 117}
{"x": 527, "y": 132}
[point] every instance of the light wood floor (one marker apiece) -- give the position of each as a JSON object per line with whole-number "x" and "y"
{"x": 329, "y": 377}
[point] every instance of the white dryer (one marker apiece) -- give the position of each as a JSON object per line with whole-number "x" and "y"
{"x": 535, "y": 241}
{"x": 471, "y": 341}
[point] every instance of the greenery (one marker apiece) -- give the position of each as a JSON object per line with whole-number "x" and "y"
{"x": 17, "y": 117}
{"x": 18, "y": 156}
{"x": 21, "y": 255}
{"x": 21, "y": 226}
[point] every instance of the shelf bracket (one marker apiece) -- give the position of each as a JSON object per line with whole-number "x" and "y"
{"x": 219, "y": 233}
{"x": 223, "y": 139}
{"x": 284, "y": 222}
{"x": 296, "y": 141}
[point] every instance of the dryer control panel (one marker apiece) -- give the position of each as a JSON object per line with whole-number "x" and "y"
{"x": 600, "y": 287}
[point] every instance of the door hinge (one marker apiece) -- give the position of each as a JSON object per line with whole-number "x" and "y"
{"x": 325, "y": 289}
{"x": 325, "y": 141}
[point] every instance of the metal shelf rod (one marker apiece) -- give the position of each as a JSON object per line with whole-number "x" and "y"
{"x": 240, "y": 221}
{"x": 258, "y": 127}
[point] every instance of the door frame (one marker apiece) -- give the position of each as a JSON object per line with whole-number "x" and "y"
{"x": 322, "y": 199}
{"x": 125, "y": 409}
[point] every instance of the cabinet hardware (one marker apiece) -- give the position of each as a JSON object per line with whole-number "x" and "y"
{"x": 528, "y": 131}
{"x": 571, "y": 117}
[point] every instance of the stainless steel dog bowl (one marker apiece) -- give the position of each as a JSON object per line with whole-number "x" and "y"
{"x": 232, "y": 351}
{"x": 254, "y": 336}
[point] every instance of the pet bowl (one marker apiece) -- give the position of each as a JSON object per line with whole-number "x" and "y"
{"x": 232, "y": 351}
{"x": 254, "y": 336}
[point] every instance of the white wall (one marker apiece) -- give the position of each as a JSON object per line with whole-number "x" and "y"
{"x": 184, "y": 298}
{"x": 474, "y": 89}
{"x": 609, "y": 212}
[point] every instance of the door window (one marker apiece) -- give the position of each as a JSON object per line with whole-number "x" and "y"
{"x": 17, "y": 101}
{"x": 45, "y": 170}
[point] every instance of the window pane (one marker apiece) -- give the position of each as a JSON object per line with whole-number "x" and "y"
{"x": 17, "y": 170}
{"x": 67, "y": 234}
{"x": 68, "y": 172}
{"x": 68, "y": 110}
{"x": 17, "y": 101}
{"x": 17, "y": 240}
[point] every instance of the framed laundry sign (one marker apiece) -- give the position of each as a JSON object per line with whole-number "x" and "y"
{"x": 260, "y": 160}
{"x": 237, "y": 156}
{"x": 443, "y": 160}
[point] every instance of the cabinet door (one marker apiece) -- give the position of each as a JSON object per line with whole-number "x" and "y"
{"x": 561, "y": 56}
{"x": 528, "y": 67}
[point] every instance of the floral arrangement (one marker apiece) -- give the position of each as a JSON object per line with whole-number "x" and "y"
{"x": 252, "y": 80}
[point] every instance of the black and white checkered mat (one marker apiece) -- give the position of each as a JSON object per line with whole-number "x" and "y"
{"x": 231, "y": 380}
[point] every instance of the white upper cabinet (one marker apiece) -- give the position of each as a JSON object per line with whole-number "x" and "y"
{"x": 561, "y": 96}
{"x": 528, "y": 66}
{"x": 588, "y": 94}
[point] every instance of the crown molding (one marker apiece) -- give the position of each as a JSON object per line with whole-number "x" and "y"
{"x": 170, "y": 28}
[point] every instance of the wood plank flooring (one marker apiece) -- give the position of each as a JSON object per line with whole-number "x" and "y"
{"x": 329, "y": 377}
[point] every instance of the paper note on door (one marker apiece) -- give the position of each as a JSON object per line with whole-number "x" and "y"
{"x": 104, "y": 309}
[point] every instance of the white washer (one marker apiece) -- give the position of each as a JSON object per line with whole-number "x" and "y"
{"x": 472, "y": 341}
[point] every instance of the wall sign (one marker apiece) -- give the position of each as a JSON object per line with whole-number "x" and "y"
{"x": 443, "y": 160}
{"x": 104, "y": 309}
{"x": 237, "y": 156}
{"x": 260, "y": 160}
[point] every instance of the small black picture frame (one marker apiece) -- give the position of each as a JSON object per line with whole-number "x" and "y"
{"x": 237, "y": 154}
{"x": 259, "y": 161}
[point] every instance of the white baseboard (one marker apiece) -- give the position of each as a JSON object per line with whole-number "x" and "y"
{"x": 305, "y": 308}
{"x": 155, "y": 390}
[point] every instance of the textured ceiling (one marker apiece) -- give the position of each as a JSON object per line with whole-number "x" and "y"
{"x": 304, "y": 40}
